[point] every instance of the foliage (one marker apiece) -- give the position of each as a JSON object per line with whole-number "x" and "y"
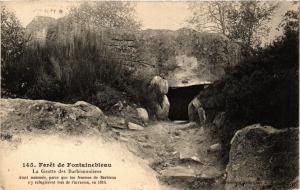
{"x": 210, "y": 16}
{"x": 13, "y": 38}
{"x": 163, "y": 47}
{"x": 79, "y": 68}
{"x": 216, "y": 49}
{"x": 76, "y": 69}
{"x": 103, "y": 14}
{"x": 244, "y": 21}
{"x": 261, "y": 89}
{"x": 74, "y": 63}
{"x": 249, "y": 21}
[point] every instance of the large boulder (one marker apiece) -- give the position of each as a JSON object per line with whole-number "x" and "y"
{"x": 21, "y": 116}
{"x": 133, "y": 126}
{"x": 143, "y": 114}
{"x": 90, "y": 109}
{"x": 262, "y": 157}
{"x": 162, "y": 109}
{"x": 192, "y": 109}
{"x": 159, "y": 85}
{"x": 160, "y": 103}
{"x": 196, "y": 112}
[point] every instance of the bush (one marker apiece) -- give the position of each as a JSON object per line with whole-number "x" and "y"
{"x": 261, "y": 89}
{"x": 79, "y": 68}
{"x": 13, "y": 37}
{"x": 13, "y": 44}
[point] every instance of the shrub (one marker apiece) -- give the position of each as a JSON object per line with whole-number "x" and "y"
{"x": 261, "y": 89}
{"x": 80, "y": 67}
{"x": 13, "y": 44}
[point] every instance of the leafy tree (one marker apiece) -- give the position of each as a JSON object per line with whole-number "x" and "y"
{"x": 210, "y": 16}
{"x": 13, "y": 45}
{"x": 243, "y": 21}
{"x": 249, "y": 21}
{"x": 290, "y": 24}
{"x": 102, "y": 14}
{"x": 13, "y": 38}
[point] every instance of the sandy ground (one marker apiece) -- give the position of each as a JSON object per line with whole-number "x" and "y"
{"x": 163, "y": 155}
{"x": 131, "y": 172}
{"x": 158, "y": 154}
{"x": 176, "y": 151}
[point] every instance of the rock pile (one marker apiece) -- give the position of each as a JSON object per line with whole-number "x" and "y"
{"x": 129, "y": 113}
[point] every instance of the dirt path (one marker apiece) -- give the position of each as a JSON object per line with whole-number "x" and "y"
{"x": 178, "y": 152}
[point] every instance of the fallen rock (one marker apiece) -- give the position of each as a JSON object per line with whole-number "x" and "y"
{"x": 179, "y": 171}
{"x": 196, "y": 112}
{"x": 116, "y": 122}
{"x": 182, "y": 177}
{"x": 90, "y": 109}
{"x": 214, "y": 148}
{"x": 134, "y": 126}
{"x": 180, "y": 122}
{"x": 262, "y": 157}
{"x": 187, "y": 158}
{"x": 189, "y": 125}
{"x": 193, "y": 124}
{"x": 162, "y": 110}
{"x": 129, "y": 112}
{"x": 118, "y": 106}
{"x": 143, "y": 114}
{"x": 159, "y": 85}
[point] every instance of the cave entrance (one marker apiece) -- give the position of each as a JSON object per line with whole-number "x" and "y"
{"x": 179, "y": 98}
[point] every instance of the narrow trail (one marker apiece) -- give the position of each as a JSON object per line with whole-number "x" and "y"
{"x": 179, "y": 153}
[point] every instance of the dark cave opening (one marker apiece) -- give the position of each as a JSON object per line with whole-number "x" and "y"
{"x": 179, "y": 98}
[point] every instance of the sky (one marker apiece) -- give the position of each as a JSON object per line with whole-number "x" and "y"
{"x": 153, "y": 15}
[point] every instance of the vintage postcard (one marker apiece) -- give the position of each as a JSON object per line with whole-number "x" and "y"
{"x": 149, "y": 95}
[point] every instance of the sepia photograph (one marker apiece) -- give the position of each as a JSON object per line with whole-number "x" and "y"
{"x": 149, "y": 95}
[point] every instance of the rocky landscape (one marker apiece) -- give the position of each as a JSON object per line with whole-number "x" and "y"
{"x": 183, "y": 153}
{"x": 259, "y": 157}
{"x": 180, "y": 109}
